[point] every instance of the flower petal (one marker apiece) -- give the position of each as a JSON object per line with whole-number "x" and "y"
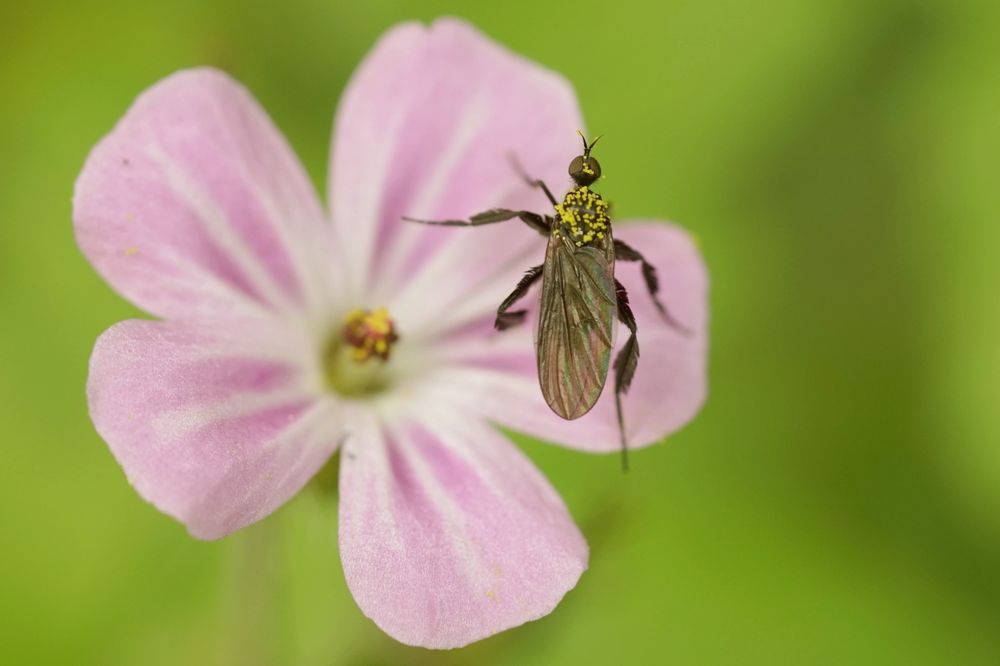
{"x": 194, "y": 205}
{"x": 216, "y": 427}
{"x": 449, "y": 534}
{"x": 425, "y": 129}
{"x": 498, "y": 378}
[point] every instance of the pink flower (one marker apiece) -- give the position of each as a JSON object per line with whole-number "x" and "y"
{"x": 196, "y": 210}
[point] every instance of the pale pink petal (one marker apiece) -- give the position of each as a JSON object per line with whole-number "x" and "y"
{"x": 215, "y": 426}
{"x": 424, "y": 130}
{"x": 497, "y": 373}
{"x": 194, "y": 205}
{"x": 449, "y": 534}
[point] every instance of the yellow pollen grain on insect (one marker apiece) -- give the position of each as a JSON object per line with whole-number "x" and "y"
{"x": 583, "y": 214}
{"x": 491, "y": 594}
{"x": 131, "y": 251}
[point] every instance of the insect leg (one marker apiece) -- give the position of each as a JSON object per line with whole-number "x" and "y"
{"x": 625, "y": 363}
{"x": 506, "y": 319}
{"x": 532, "y": 182}
{"x": 533, "y": 220}
{"x": 625, "y": 252}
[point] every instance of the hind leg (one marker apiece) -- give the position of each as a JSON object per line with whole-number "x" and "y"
{"x": 625, "y": 252}
{"x": 625, "y": 363}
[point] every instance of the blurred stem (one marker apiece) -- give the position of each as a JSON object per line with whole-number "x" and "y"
{"x": 253, "y": 605}
{"x": 327, "y": 480}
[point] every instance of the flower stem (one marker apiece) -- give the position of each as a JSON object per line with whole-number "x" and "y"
{"x": 253, "y": 606}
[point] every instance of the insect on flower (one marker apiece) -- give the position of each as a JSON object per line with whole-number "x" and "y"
{"x": 287, "y": 332}
{"x": 580, "y": 295}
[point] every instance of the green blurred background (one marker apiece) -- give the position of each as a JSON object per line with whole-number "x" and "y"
{"x": 836, "y": 502}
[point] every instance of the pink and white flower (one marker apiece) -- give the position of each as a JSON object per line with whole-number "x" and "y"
{"x": 195, "y": 209}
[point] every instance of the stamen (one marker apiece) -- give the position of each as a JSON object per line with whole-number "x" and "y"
{"x": 348, "y": 358}
{"x": 370, "y": 333}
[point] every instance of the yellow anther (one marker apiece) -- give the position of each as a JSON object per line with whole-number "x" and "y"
{"x": 370, "y": 333}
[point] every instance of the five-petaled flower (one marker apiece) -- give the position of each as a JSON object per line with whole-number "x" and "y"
{"x": 274, "y": 349}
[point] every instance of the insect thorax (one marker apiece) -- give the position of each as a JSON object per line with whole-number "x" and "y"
{"x": 583, "y": 216}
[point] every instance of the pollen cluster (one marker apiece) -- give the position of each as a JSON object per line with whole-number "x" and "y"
{"x": 370, "y": 333}
{"x": 584, "y": 215}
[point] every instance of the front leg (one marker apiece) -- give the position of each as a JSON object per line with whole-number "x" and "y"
{"x": 625, "y": 363}
{"x": 537, "y": 222}
{"x": 625, "y": 252}
{"x": 507, "y": 319}
{"x": 531, "y": 182}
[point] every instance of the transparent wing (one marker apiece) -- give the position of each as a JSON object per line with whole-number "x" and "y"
{"x": 575, "y": 326}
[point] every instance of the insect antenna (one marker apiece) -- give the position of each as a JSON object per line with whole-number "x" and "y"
{"x": 594, "y": 143}
{"x": 587, "y": 147}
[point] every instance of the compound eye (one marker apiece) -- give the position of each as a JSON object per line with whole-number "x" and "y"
{"x": 595, "y": 167}
{"x": 584, "y": 170}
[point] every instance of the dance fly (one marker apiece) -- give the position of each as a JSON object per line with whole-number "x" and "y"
{"x": 581, "y": 298}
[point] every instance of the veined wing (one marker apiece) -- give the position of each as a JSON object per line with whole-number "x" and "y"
{"x": 575, "y": 325}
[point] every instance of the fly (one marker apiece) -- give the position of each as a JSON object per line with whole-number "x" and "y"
{"x": 581, "y": 298}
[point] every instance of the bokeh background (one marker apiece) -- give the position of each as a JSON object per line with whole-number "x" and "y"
{"x": 836, "y": 502}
